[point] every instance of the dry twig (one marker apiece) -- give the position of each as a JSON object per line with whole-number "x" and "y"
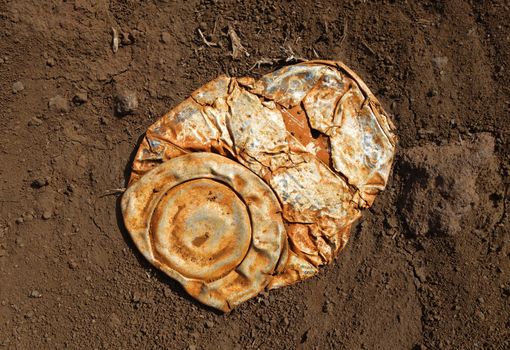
{"x": 113, "y": 191}
{"x": 207, "y": 42}
{"x": 115, "y": 40}
{"x": 237, "y": 48}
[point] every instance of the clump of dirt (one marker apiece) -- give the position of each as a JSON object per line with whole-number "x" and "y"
{"x": 428, "y": 266}
{"x": 452, "y": 188}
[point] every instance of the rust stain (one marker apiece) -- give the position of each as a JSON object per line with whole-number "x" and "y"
{"x": 298, "y": 126}
{"x": 301, "y": 151}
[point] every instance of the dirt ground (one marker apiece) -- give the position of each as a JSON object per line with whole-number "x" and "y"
{"x": 428, "y": 267}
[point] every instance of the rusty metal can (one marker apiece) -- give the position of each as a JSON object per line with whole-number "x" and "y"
{"x": 253, "y": 184}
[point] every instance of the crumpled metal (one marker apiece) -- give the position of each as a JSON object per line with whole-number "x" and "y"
{"x": 312, "y": 133}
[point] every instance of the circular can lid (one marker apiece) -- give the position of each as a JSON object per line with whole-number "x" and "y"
{"x": 209, "y": 223}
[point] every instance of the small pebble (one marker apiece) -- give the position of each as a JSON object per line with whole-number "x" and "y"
{"x": 136, "y": 297}
{"x": 17, "y": 87}
{"x": 420, "y": 273}
{"x": 102, "y": 76}
{"x": 209, "y": 324}
{"x": 432, "y": 93}
{"x": 126, "y": 38}
{"x": 35, "y": 294}
{"x": 19, "y": 220}
{"x": 50, "y": 62}
{"x": 59, "y": 104}
{"x": 46, "y": 215}
{"x": 327, "y": 308}
{"x": 440, "y": 62}
{"x": 35, "y": 122}
{"x": 80, "y": 98}
{"x": 166, "y": 37}
{"x": 38, "y": 183}
{"x": 126, "y": 102}
{"x": 391, "y": 221}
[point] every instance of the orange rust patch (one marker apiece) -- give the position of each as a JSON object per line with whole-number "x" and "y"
{"x": 300, "y": 238}
{"x": 297, "y": 125}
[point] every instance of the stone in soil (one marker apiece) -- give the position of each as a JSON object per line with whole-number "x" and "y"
{"x": 38, "y": 183}
{"x": 59, "y": 104}
{"x": 126, "y": 102}
{"x": 35, "y": 122}
{"x": 17, "y": 87}
{"x": 35, "y": 294}
{"x": 166, "y": 37}
{"x": 80, "y": 98}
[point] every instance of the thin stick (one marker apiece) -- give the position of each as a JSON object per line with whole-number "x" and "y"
{"x": 207, "y": 42}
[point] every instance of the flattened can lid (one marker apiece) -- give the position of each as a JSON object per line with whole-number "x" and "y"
{"x": 209, "y": 223}
{"x": 252, "y": 184}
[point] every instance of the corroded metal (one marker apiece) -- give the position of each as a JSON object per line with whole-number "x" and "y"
{"x": 209, "y": 223}
{"x": 312, "y": 132}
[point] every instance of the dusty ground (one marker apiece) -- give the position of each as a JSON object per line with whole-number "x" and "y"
{"x": 428, "y": 267}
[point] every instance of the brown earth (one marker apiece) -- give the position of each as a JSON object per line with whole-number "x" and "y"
{"x": 428, "y": 267}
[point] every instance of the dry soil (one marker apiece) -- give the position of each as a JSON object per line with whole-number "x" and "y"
{"x": 428, "y": 267}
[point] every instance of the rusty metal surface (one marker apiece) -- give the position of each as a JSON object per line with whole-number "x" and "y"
{"x": 209, "y": 223}
{"x": 312, "y": 132}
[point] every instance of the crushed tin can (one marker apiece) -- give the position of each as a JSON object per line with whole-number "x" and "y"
{"x": 254, "y": 184}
